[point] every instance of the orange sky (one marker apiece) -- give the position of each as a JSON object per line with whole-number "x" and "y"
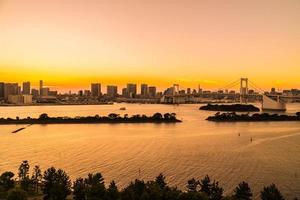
{"x": 70, "y": 43}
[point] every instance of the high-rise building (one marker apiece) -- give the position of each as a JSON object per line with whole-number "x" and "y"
{"x": 45, "y": 91}
{"x": 124, "y": 92}
{"x": 112, "y": 91}
{"x": 188, "y": 90}
{"x": 96, "y": 89}
{"x": 144, "y": 90}
{"x": 41, "y": 87}
{"x": 131, "y": 90}
{"x": 152, "y": 91}
{"x": 10, "y": 89}
{"x": 26, "y": 87}
{"x": 2, "y": 90}
{"x": 35, "y": 92}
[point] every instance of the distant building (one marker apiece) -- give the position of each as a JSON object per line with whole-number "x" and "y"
{"x": 87, "y": 93}
{"x": 10, "y": 89}
{"x": 131, "y": 90}
{"x": 35, "y": 92}
{"x": 124, "y": 92}
{"x": 41, "y": 87}
{"x": 20, "y": 99}
{"x": 45, "y": 91}
{"x": 144, "y": 90}
{"x": 2, "y": 90}
{"x": 26, "y": 88}
{"x": 112, "y": 91}
{"x": 188, "y": 90}
{"x": 52, "y": 93}
{"x": 96, "y": 89}
{"x": 152, "y": 91}
{"x": 80, "y": 93}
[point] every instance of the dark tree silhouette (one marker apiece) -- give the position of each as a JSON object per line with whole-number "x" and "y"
{"x": 192, "y": 185}
{"x": 243, "y": 192}
{"x": 205, "y": 185}
{"x": 271, "y": 193}
{"x": 56, "y": 184}
{"x": 44, "y": 116}
{"x": 79, "y": 189}
{"x": 157, "y": 116}
{"x": 36, "y": 177}
{"x": 24, "y": 175}
{"x": 6, "y": 181}
{"x": 112, "y": 192}
{"x": 95, "y": 188}
{"x": 16, "y": 194}
{"x": 160, "y": 181}
{"x": 216, "y": 191}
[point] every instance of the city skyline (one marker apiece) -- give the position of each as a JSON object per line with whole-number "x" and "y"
{"x": 192, "y": 42}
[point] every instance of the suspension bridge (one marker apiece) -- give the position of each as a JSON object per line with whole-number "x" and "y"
{"x": 248, "y": 92}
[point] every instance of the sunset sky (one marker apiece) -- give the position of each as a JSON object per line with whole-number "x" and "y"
{"x": 71, "y": 43}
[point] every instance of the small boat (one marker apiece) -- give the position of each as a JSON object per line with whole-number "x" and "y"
{"x": 122, "y": 108}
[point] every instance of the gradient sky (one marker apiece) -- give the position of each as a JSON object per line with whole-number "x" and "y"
{"x": 70, "y": 43}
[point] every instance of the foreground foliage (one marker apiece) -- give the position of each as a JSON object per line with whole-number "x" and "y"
{"x": 55, "y": 184}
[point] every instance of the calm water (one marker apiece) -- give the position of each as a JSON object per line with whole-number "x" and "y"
{"x": 181, "y": 151}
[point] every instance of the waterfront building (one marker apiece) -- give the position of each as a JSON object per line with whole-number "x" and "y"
{"x": 96, "y": 89}
{"x": 41, "y": 87}
{"x": 131, "y": 90}
{"x": 10, "y": 89}
{"x": 144, "y": 90}
{"x": 124, "y": 92}
{"x": 152, "y": 91}
{"x": 112, "y": 91}
{"x": 26, "y": 88}
{"x": 35, "y": 92}
{"x": 20, "y": 99}
{"x": 45, "y": 92}
{"x": 2, "y": 90}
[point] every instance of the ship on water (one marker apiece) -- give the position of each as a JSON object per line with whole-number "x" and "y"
{"x": 268, "y": 103}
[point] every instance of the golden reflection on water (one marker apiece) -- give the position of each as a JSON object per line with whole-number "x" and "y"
{"x": 181, "y": 151}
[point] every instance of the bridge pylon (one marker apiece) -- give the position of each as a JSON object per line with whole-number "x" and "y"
{"x": 244, "y": 90}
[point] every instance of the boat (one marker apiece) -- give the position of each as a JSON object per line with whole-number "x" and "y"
{"x": 122, "y": 108}
{"x": 271, "y": 104}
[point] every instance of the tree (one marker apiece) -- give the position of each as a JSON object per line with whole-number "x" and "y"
{"x": 160, "y": 181}
{"x": 57, "y": 185}
{"x": 95, "y": 188}
{"x": 271, "y": 193}
{"x": 205, "y": 185}
{"x": 79, "y": 189}
{"x": 192, "y": 185}
{"x": 36, "y": 177}
{"x": 6, "y": 181}
{"x": 16, "y": 194}
{"x": 112, "y": 192}
{"x": 44, "y": 116}
{"x": 157, "y": 116}
{"x": 24, "y": 175}
{"x": 242, "y": 192}
{"x": 216, "y": 191}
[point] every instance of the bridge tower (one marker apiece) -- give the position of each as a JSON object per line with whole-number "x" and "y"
{"x": 244, "y": 90}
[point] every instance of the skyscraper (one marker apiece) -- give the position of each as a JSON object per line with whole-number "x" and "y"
{"x": 144, "y": 90}
{"x": 152, "y": 91}
{"x": 131, "y": 90}
{"x": 26, "y": 87}
{"x": 10, "y": 89}
{"x": 41, "y": 87}
{"x": 96, "y": 89}
{"x": 112, "y": 91}
{"x": 1, "y": 90}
